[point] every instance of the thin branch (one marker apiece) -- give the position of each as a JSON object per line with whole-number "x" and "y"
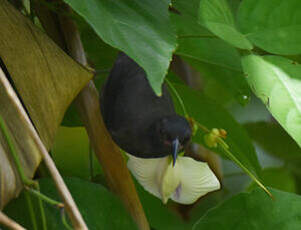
{"x": 31, "y": 211}
{"x": 6, "y": 221}
{"x": 70, "y": 205}
{"x": 107, "y": 152}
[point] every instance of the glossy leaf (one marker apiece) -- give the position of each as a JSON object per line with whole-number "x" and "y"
{"x": 214, "y": 58}
{"x": 272, "y": 25}
{"x": 100, "y": 208}
{"x": 255, "y": 211}
{"x": 274, "y": 140}
{"x": 186, "y": 19}
{"x": 277, "y": 82}
{"x": 217, "y": 16}
{"x": 141, "y": 29}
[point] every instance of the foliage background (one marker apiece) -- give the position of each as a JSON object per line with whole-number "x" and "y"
{"x": 242, "y": 74}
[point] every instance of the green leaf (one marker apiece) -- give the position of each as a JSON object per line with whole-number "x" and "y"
{"x": 274, "y": 140}
{"x": 214, "y": 58}
{"x": 273, "y": 25}
{"x": 255, "y": 211}
{"x": 277, "y": 82}
{"x": 279, "y": 178}
{"x": 217, "y": 16}
{"x": 211, "y": 51}
{"x": 211, "y": 115}
{"x": 186, "y": 21}
{"x": 142, "y": 29}
{"x": 100, "y": 208}
{"x": 70, "y": 152}
{"x": 159, "y": 215}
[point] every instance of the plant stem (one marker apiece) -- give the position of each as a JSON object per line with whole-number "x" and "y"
{"x": 231, "y": 156}
{"x": 31, "y": 211}
{"x": 70, "y": 205}
{"x": 43, "y": 217}
{"x": 45, "y": 198}
{"x": 51, "y": 202}
{"x": 204, "y": 128}
{"x": 25, "y": 180}
{"x": 64, "y": 220}
{"x": 91, "y": 162}
{"x": 113, "y": 164}
{"x": 177, "y": 96}
{"x": 14, "y": 154}
{"x": 225, "y": 147}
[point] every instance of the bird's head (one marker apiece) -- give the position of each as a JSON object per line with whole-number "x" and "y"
{"x": 173, "y": 133}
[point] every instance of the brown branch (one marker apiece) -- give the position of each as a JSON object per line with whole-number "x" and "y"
{"x": 107, "y": 152}
{"x": 6, "y": 221}
{"x": 117, "y": 174}
{"x": 71, "y": 208}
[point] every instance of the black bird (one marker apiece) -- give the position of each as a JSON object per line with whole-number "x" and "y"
{"x": 140, "y": 122}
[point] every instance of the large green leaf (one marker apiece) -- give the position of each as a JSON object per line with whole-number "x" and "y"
{"x": 210, "y": 51}
{"x": 100, "y": 208}
{"x": 214, "y": 58}
{"x": 274, "y": 140}
{"x": 217, "y": 16}
{"x": 277, "y": 82}
{"x": 159, "y": 215}
{"x": 71, "y": 153}
{"x": 273, "y": 25}
{"x": 186, "y": 21}
{"x": 255, "y": 211}
{"x": 210, "y": 114}
{"x": 142, "y": 29}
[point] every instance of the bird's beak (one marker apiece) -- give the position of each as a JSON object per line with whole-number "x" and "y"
{"x": 175, "y": 147}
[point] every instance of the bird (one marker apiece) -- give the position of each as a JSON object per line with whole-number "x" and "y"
{"x": 140, "y": 122}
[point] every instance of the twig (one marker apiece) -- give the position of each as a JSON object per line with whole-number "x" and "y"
{"x": 71, "y": 207}
{"x": 41, "y": 207}
{"x": 91, "y": 162}
{"x": 108, "y": 153}
{"x": 31, "y": 211}
{"x": 63, "y": 217}
{"x": 25, "y": 180}
{"x": 177, "y": 96}
{"x": 51, "y": 202}
{"x": 5, "y": 220}
{"x": 45, "y": 198}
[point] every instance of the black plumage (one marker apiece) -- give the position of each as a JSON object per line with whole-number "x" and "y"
{"x": 140, "y": 122}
